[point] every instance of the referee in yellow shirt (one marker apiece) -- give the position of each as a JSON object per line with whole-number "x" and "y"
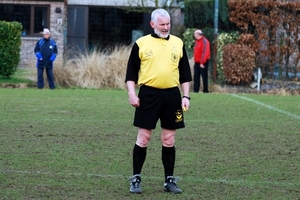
{"x": 158, "y": 64}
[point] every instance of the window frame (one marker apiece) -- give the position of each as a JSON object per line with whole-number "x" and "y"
{"x": 32, "y": 10}
{"x": 32, "y": 17}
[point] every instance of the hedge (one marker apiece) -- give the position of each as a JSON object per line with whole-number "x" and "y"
{"x": 10, "y": 47}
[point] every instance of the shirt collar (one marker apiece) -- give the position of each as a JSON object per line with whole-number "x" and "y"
{"x": 156, "y": 36}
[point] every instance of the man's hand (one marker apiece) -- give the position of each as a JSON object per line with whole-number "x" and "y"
{"x": 134, "y": 100}
{"x": 185, "y": 104}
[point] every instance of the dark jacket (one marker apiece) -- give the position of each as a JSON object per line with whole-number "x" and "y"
{"x": 46, "y": 49}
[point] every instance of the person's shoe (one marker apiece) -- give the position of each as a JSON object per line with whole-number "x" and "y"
{"x": 170, "y": 185}
{"x": 135, "y": 184}
{"x": 205, "y": 91}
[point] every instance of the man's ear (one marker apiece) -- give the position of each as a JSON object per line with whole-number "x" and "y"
{"x": 152, "y": 24}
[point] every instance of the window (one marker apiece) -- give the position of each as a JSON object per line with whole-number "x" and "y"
{"x": 40, "y": 19}
{"x": 34, "y": 18}
{"x": 106, "y": 23}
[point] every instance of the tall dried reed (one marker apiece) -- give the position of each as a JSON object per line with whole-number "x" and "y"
{"x": 94, "y": 70}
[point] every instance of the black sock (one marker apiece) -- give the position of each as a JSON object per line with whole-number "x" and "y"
{"x": 138, "y": 158}
{"x": 168, "y": 159}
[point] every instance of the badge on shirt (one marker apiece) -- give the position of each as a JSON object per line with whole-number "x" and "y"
{"x": 50, "y": 47}
{"x": 174, "y": 57}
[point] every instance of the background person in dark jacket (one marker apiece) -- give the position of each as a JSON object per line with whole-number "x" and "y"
{"x": 201, "y": 58}
{"x": 46, "y": 51}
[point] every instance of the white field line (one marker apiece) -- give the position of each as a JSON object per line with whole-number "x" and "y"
{"x": 267, "y": 106}
{"x": 130, "y": 120}
{"x": 193, "y": 179}
{"x": 64, "y": 120}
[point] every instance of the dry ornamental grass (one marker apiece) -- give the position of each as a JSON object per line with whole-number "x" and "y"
{"x": 95, "y": 70}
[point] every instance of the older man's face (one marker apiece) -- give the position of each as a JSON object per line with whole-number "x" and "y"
{"x": 161, "y": 26}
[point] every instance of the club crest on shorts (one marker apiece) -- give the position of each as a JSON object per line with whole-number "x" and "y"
{"x": 178, "y": 115}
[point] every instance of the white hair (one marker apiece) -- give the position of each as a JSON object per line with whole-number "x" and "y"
{"x": 159, "y": 12}
{"x": 46, "y": 31}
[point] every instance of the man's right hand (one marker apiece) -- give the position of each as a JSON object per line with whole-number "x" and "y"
{"x": 134, "y": 100}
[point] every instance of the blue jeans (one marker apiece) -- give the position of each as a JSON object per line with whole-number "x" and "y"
{"x": 50, "y": 77}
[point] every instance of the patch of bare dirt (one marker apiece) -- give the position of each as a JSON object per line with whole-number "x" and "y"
{"x": 13, "y": 85}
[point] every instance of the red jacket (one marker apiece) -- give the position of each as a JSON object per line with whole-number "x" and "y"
{"x": 202, "y": 51}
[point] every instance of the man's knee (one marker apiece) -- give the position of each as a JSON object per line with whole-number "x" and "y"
{"x": 169, "y": 142}
{"x": 168, "y": 138}
{"x": 143, "y": 137}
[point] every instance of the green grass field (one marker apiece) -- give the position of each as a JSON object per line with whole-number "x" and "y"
{"x": 77, "y": 144}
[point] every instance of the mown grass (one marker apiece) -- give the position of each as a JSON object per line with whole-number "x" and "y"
{"x": 77, "y": 144}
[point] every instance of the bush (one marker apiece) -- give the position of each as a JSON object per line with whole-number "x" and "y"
{"x": 223, "y": 39}
{"x": 188, "y": 40}
{"x": 10, "y": 37}
{"x": 275, "y": 29}
{"x": 238, "y": 63}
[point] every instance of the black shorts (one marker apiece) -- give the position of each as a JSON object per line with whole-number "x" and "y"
{"x": 163, "y": 104}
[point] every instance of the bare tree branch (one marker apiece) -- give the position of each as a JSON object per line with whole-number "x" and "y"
{"x": 147, "y": 6}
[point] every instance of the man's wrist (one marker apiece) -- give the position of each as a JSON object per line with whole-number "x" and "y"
{"x": 189, "y": 98}
{"x": 131, "y": 93}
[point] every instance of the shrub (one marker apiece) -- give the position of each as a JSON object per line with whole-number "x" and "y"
{"x": 188, "y": 40}
{"x": 10, "y": 37}
{"x": 238, "y": 63}
{"x": 275, "y": 25}
{"x": 223, "y": 39}
{"x": 248, "y": 40}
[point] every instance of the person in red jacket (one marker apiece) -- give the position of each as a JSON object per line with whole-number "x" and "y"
{"x": 201, "y": 59}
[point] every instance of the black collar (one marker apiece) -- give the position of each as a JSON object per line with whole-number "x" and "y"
{"x": 156, "y": 36}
